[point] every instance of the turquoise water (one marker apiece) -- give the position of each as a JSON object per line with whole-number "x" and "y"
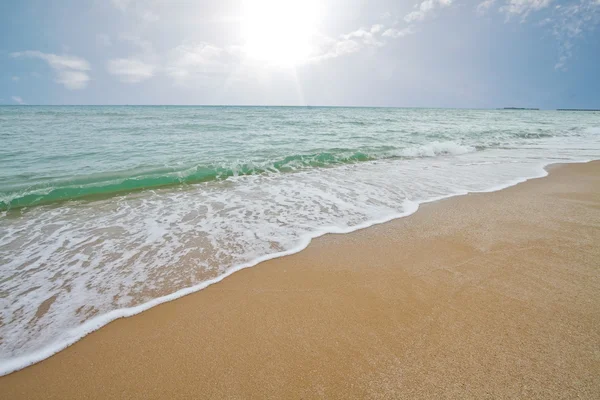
{"x": 60, "y": 153}
{"x": 105, "y": 211}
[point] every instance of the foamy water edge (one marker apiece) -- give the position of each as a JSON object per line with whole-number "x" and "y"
{"x": 8, "y": 366}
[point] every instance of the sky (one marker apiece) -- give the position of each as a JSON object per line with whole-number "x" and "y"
{"x": 401, "y": 53}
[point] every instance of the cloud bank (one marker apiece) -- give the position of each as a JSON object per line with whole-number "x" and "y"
{"x": 71, "y": 71}
{"x": 130, "y": 70}
{"x": 425, "y": 8}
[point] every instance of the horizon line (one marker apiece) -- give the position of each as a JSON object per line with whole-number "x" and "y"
{"x": 303, "y": 106}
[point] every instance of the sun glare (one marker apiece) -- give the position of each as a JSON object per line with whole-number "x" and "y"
{"x": 279, "y": 32}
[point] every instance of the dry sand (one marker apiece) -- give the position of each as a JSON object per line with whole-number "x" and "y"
{"x": 481, "y": 296}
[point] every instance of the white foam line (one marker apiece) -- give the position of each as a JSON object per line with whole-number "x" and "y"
{"x": 14, "y": 364}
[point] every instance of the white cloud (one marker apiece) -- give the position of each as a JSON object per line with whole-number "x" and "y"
{"x": 376, "y": 28}
{"x": 72, "y": 79}
{"x": 355, "y": 41}
{"x": 484, "y": 6}
{"x": 327, "y": 48}
{"x": 340, "y": 48}
{"x": 15, "y": 79}
{"x": 570, "y": 23}
{"x": 397, "y": 33}
{"x": 18, "y": 100}
{"x": 130, "y": 70}
{"x": 71, "y": 71}
{"x": 202, "y": 62}
{"x": 368, "y": 37}
{"x": 138, "y": 67}
{"x": 425, "y": 8}
{"x": 202, "y": 59}
{"x": 56, "y": 62}
{"x": 524, "y": 7}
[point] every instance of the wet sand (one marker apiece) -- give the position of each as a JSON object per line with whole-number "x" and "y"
{"x": 493, "y": 295}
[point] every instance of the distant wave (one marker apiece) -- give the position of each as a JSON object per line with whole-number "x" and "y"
{"x": 129, "y": 181}
{"x": 434, "y": 149}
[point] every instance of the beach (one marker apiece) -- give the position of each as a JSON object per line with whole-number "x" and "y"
{"x": 489, "y": 295}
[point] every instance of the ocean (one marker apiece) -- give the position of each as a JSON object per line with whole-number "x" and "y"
{"x": 106, "y": 211}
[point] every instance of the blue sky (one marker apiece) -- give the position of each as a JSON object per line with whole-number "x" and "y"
{"x": 431, "y": 53}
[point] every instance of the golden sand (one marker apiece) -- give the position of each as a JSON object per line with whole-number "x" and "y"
{"x": 491, "y": 295}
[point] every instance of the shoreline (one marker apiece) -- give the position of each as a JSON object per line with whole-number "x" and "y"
{"x": 343, "y": 283}
{"x": 9, "y": 366}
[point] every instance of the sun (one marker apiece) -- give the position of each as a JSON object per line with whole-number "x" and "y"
{"x": 279, "y": 32}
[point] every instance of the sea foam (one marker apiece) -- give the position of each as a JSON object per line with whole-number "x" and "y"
{"x": 70, "y": 267}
